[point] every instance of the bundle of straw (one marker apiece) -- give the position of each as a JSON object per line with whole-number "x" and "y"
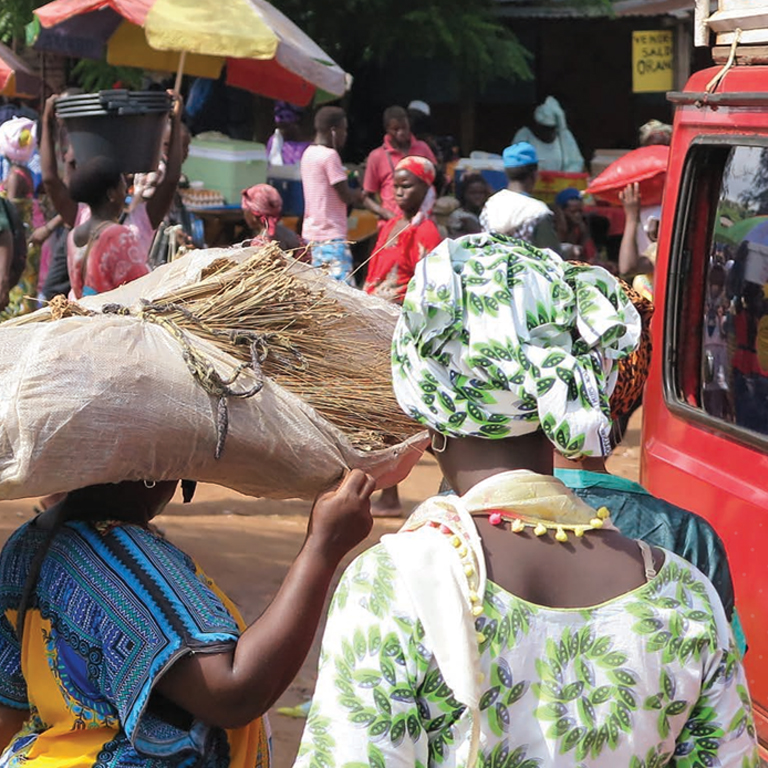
{"x": 259, "y": 312}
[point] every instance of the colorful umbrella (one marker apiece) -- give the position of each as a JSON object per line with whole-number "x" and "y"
{"x": 739, "y": 230}
{"x": 264, "y": 51}
{"x": 16, "y": 78}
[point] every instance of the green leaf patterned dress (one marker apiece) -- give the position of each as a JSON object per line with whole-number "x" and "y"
{"x": 650, "y": 678}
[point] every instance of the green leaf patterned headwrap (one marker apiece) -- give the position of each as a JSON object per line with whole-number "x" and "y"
{"x": 498, "y": 338}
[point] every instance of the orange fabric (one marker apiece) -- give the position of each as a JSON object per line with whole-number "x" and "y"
{"x": 60, "y": 10}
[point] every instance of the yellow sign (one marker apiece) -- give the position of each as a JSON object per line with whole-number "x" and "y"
{"x": 652, "y": 61}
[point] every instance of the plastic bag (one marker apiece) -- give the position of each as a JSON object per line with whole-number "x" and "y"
{"x": 87, "y": 400}
{"x": 646, "y": 165}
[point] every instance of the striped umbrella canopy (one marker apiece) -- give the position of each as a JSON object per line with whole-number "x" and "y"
{"x": 16, "y": 78}
{"x": 263, "y": 50}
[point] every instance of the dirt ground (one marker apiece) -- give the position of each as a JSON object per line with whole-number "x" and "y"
{"x": 246, "y": 545}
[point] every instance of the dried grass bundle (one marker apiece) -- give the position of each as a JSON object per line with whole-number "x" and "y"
{"x": 260, "y": 313}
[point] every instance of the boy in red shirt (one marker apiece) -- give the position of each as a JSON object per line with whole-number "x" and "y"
{"x": 399, "y": 142}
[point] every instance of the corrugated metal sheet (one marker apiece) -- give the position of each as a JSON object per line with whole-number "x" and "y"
{"x": 563, "y": 9}
{"x": 550, "y": 9}
{"x": 654, "y": 7}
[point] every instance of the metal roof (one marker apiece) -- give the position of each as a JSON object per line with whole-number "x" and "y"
{"x": 550, "y": 9}
{"x": 564, "y": 9}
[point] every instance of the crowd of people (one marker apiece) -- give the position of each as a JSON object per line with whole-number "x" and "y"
{"x": 537, "y": 611}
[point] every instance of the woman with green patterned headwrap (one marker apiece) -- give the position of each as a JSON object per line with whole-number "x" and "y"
{"x": 511, "y": 624}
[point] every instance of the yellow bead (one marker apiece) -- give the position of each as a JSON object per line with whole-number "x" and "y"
{"x": 473, "y": 596}
{"x": 561, "y": 535}
{"x": 480, "y": 637}
{"x": 603, "y": 513}
{"x": 469, "y": 570}
{"x": 596, "y": 522}
{"x": 456, "y": 541}
{"x": 518, "y": 526}
{"x": 477, "y": 610}
{"x": 579, "y": 532}
{"x": 462, "y": 552}
{"x": 540, "y": 529}
{"x": 480, "y": 677}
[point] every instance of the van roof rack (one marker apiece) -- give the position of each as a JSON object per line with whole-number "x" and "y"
{"x": 742, "y": 20}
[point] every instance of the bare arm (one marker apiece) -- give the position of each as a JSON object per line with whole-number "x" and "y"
{"x": 160, "y": 203}
{"x": 231, "y": 689}
{"x": 6, "y": 257}
{"x": 17, "y": 187}
{"x": 370, "y": 202}
{"x": 628, "y": 254}
{"x": 41, "y": 234}
{"x": 54, "y": 186}
{"x": 11, "y": 721}
{"x": 353, "y": 197}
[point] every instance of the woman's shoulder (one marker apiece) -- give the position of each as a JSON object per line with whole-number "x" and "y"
{"x": 680, "y": 588}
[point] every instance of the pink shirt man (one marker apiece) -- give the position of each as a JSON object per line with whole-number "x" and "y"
{"x": 380, "y": 169}
{"x": 325, "y": 213}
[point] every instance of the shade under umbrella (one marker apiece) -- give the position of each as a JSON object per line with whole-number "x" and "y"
{"x": 263, "y": 50}
{"x": 16, "y": 78}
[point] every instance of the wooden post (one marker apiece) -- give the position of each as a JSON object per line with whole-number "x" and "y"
{"x": 682, "y": 62}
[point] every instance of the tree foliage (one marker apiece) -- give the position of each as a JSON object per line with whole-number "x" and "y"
{"x": 466, "y": 33}
{"x": 14, "y": 16}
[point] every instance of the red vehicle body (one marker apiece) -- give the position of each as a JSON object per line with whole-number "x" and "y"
{"x": 705, "y": 444}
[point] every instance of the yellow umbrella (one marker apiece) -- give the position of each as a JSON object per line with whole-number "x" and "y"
{"x": 264, "y": 51}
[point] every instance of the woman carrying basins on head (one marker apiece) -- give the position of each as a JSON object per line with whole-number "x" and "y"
{"x": 511, "y": 624}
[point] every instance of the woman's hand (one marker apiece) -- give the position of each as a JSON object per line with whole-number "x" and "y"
{"x": 630, "y": 199}
{"x": 40, "y": 235}
{"x": 49, "y": 113}
{"x": 341, "y": 518}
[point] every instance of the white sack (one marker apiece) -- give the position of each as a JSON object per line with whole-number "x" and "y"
{"x": 87, "y": 400}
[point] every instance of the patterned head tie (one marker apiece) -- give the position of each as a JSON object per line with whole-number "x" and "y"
{"x": 498, "y": 338}
{"x": 420, "y": 167}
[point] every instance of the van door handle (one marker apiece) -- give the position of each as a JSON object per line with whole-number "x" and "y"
{"x": 709, "y": 367}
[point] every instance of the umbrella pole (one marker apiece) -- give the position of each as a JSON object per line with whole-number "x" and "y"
{"x": 180, "y": 72}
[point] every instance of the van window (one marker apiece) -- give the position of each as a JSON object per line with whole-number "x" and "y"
{"x": 719, "y": 289}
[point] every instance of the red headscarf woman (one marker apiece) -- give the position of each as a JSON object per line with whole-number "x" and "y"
{"x": 407, "y": 238}
{"x": 262, "y": 207}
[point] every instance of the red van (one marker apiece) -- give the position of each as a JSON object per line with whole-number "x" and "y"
{"x": 705, "y": 420}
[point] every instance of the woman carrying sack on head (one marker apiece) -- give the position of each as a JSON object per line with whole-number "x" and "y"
{"x": 511, "y": 624}
{"x": 117, "y": 651}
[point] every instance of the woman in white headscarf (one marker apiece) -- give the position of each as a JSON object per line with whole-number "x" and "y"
{"x": 510, "y": 625}
{"x": 555, "y": 145}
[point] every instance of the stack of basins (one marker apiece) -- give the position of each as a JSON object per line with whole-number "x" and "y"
{"x": 124, "y": 125}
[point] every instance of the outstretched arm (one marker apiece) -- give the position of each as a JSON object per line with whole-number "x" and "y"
{"x": 353, "y": 197}
{"x": 231, "y": 689}
{"x": 160, "y": 203}
{"x": 628, "y": 254}
{"x": 370, "y": 202}
{"x": 54, "y": 186}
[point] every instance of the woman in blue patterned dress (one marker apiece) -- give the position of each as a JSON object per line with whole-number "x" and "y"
{"x": 116, "y": 650}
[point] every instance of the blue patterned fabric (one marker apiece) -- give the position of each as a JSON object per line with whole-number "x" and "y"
{"x": 115, "y": 606}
